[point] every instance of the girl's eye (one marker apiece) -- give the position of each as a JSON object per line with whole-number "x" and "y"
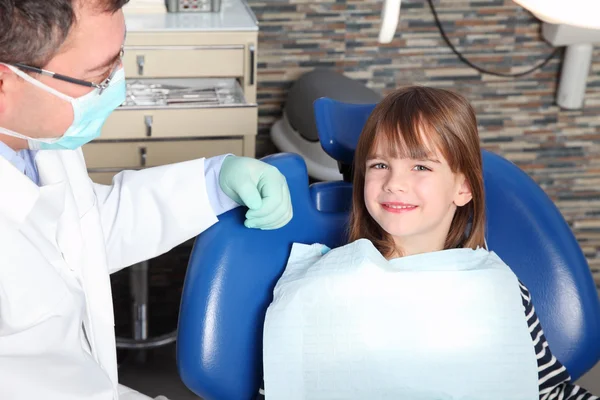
{"x": 421, "y": 168}
{"x": 378, "y": 166}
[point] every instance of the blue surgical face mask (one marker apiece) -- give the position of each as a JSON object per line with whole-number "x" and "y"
{"x": 90, "y": 112}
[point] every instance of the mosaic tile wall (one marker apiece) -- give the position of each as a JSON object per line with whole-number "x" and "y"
{"x": 517, "y": 117}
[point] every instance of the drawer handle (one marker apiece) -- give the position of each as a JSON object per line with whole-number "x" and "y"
{"x": 252, "y": 51}
{"x": 141, "y": 60}
{"x": 148, "y": 122}
{"x": 142, "y": 156}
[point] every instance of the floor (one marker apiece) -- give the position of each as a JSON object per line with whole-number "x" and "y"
{"x": 158, "y": 375}
{"x": 591, "y": 381}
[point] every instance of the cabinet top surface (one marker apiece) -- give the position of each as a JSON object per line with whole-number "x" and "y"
{"x": 235, "y": 15}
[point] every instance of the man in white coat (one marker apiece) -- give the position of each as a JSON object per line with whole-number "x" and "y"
{"x": 61, "y": 235}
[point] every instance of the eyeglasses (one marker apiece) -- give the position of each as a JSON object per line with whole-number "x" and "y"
{"x": 100, "y": 86}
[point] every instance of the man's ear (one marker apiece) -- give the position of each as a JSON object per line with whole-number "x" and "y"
{"x": 463, "y": 191}
{"x": 3, "y": 70}
{"x": 6, "y": 75}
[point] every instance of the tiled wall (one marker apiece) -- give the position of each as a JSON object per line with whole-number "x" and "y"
{"x": 517, "y": 117}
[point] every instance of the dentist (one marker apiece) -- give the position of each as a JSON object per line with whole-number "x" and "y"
{"x": 61, "y": 235}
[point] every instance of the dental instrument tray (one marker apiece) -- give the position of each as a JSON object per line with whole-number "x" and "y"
{"x": 193, "y": 5}
{"x": 183, "y": 93}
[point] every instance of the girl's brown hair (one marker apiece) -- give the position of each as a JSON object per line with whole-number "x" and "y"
{"x": 405, "y": 121}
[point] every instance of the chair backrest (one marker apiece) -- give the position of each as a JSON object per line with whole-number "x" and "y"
{"x": 232, "y": 270}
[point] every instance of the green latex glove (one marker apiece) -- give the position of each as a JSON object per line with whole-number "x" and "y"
{"x": 260, "y": 187}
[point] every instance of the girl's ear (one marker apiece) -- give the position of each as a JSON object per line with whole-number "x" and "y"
{"x": 463, "y": 191}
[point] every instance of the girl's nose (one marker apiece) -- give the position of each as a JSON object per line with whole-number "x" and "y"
{"x": 396, "y": 182}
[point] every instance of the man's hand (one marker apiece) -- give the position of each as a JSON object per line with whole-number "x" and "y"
{"x": 260, "y": 187}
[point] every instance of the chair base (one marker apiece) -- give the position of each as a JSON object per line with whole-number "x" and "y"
{"x": 138, "y": 277}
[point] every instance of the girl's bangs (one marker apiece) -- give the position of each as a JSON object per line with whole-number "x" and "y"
{"x": 404, "y": 138}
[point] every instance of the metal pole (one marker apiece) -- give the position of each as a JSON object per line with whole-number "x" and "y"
{"x": 138, "y": 280}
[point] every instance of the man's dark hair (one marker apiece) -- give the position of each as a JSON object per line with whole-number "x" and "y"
{"x": 32, "y": 31}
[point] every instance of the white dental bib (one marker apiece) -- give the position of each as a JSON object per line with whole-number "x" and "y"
{"x": 350, "y": 324}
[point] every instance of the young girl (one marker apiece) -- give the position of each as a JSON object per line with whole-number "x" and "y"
{"x": 418, "y": 188}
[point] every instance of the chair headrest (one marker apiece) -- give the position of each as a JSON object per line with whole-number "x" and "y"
{"x": 339, "y": 125}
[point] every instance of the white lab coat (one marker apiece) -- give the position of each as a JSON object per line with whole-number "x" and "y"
{"x": 58, "y": 244}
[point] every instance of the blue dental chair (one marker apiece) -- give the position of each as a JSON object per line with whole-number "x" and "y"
{"x": 232, "y": 270}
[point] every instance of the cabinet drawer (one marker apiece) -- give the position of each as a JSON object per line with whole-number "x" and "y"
{"x": 101, "y": 155}
{"x": 174, "y": 123}
{"x": 162, "y": 153}
{"x": 184, "y": 61}
{"x": 113, "y": 155}
{"x": 182, "y": 108}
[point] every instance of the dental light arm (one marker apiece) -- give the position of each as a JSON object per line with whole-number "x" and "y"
{"x": 571, "y": 23}
{"x": 576, "y": 25}
{"x": 390, "y": 15}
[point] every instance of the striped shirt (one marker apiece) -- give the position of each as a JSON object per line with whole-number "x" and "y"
{"x": 553, "y": 378}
